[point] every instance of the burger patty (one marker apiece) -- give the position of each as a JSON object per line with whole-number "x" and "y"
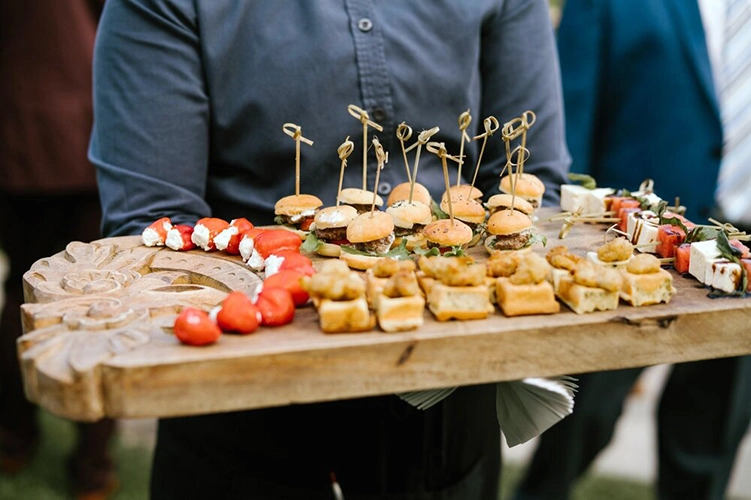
{"x": 512, "y": 241}
{"x": 381, "y": 245}
{"x": 332, "y": 233}
{"x": 403, "y": 231}
{"x": 361, "y": 209}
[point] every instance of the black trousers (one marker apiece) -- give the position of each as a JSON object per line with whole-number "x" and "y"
{"x": 703, "y": 414}
{"x": 377, "y": 448}
{"x": 33, "y": 227}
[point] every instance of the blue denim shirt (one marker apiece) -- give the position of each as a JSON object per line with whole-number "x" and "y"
{"x": 191, "y": 97}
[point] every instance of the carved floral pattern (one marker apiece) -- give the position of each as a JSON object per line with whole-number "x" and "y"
{"x": 97, "y": 301}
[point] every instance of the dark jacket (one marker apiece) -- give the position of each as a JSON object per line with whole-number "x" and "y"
{"x": 45, "y": 107}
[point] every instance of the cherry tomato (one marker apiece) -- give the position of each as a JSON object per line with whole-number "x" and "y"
{"x": 289, "y": 279}
{"x": 194, "y": 327}
{"x": 276, "y": 306}
{"x": 242, "y": 225}
{"x": 276, "y": 240}
{"x": 286, "y": 260}
{"x": 238, "y": 314}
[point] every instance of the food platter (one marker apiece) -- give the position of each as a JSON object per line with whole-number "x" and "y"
{"x": 98, "y": 340}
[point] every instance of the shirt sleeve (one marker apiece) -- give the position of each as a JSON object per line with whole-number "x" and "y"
{"x": 150, "y": 140}
{"x": 520, "y": 72}
{"x": 579, "y": 45}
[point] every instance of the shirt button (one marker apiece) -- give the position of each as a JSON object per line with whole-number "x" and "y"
{"x": 365, "y": 25}
{"x": 384, "y": 188}
{"x": 379, "y": 114}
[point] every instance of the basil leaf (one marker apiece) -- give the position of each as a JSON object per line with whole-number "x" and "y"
{"x": 311, "y": 243}
{"x": 700, "y": 233}
{"x": 587, "y": 181}
{"x": 399, "y": 253}
{"x": 437, "y": 212}
{"x": 732, "y": 254}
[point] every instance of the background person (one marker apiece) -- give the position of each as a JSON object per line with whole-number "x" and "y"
{"x": 48, "y": 197}
{"x": 641, "y": 94}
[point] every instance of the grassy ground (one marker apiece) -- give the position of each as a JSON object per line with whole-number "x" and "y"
{"x": 45, "y": 478}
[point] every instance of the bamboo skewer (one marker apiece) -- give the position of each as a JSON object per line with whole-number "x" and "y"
{"x": 382, "y": 158}
{"x": 344, "y": 150}
{"x": 491, "y": 126}
{"x": 464, "y": 121}
{"x": 295, "y": 132}
{"x": 403, "y": 133}
{"x": 362, "y": 115}
{"x": 439, "y": 149}
{"x": 422, "y": 139}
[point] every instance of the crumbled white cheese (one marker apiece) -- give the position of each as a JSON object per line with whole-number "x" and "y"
{"x": 201, "y": 237}
{"x": 273, "y": 263}
{"x": 302, "y": 215}
{"x": 255, "y": 261}
{"x": 151, "y": 238}
{"x": 247, "y": 245}
{"x": 221, "y": 241}
{"x": 174, "y": 239}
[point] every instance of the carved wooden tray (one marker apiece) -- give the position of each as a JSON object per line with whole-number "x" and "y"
{"x": 98, "y": 341}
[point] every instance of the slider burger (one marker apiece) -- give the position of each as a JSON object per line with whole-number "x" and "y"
{"x": 330, "y": 229}
{"x": 462, "y": 191}
{"x": 528, "y": 186}
{"x": 401, "y": 193}
{"x": 360, "y": 199}
{"x": 503, "y": 201}
{"x": 371, "y": 235}
{"x": 447, "y": 237}
{"x": 509, "y": 230}
{"x": 469, "y": 211}
{"x": 297, "y": 212}
{"x": 409, "y": 221}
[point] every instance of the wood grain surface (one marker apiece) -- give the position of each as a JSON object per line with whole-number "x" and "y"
{"x": 98, "y": 338}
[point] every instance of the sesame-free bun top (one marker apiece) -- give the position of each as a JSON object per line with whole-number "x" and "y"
{"x": 295, "y": 204}
{"x": 468, "y": 210}
{"x": 462, "y": 191}
{"x": 527, "y": 185}
{"x": 370, "y": 226}
{"x": 401, "y": 192}
{"x": 505, "y": 222}
{"x": 355, "y": 196}
{"x": 332, "y": 217}
{"x": 445, "y": 234}
{"x": 501, "y": 201}
{"x": 406, "y": 214}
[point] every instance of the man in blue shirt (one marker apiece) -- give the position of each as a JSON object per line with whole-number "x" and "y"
{"x": 190, "y": 99}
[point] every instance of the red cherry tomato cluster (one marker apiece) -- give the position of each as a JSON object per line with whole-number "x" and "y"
{"x": 280, "y": 294}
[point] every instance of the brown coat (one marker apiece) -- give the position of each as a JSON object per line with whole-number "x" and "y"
{"x": 46, "y": 48}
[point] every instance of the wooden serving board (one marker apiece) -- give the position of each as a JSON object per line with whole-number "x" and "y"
{"x": 98, "y": 338}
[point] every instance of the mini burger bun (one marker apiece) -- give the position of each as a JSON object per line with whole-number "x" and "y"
{"x": 467, "y": 210}
{"x": 463, "y": 191}
{"x": 355, "y": 196}
{"x": 333, "y": 217}
{"x": 445, "y": 234}
{"x": 295, "y": 204}
{"x": 370, "y": 226}
{"x": 401, "y": 193}
{"x": 358, "y": 261}
{"x": 406, "y": 214}
{"x": 505, "y": 222}
{"x": 503, "y": 201}
{"x": 528, "y": 186}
